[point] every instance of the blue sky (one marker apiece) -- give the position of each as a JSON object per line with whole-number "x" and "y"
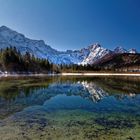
{"x": 74, "y": 24}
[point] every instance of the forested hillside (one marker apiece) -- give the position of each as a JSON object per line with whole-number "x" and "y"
{"x": 11, "y": 60}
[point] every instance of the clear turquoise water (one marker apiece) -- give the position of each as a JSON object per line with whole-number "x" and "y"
{"x": 70, "y": 108}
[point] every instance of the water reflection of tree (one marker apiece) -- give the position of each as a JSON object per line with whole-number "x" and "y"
{"x": 12, "y": 88}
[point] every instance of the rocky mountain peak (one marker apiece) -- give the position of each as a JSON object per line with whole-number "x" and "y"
{"x": 120, "y": 49}
{"x": 132, "y": 51}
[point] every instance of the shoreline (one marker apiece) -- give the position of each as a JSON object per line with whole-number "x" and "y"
{"x": 72, "y": 74}
{"x": 101, "y": 74}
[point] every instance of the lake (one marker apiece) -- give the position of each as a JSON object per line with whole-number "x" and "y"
{"x": 70, "y": 108}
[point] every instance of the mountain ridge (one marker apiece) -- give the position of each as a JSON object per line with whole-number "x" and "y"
{"x": 89, "y": 55}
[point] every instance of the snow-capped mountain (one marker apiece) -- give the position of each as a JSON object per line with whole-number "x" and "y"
{"x": 96, "y": 52}
{"x": 120, "y": 50}
{"x": 71, "y": 57}
{"x": 132, "y": 51}
{"x": 38, "y": 48}
{"x": 9, "y": 38}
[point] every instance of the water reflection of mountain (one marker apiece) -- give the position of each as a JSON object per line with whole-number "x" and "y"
{"x": 15, "y": 98}
{"x": 96, "y": 92}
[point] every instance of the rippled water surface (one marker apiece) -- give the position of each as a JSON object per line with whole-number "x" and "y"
{"x": 70, "y": 108}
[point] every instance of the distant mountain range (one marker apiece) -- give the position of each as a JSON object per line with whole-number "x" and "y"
{"x": 90, "y": 55}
